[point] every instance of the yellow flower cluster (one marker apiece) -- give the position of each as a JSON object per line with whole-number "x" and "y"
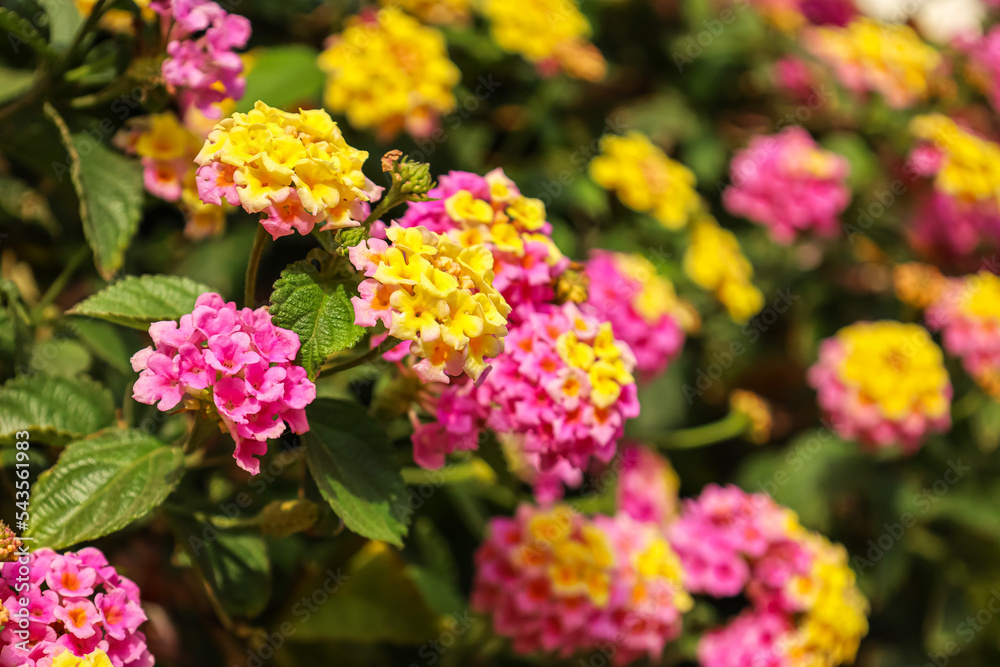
{"x": 890, "y": 59}
{"x": 657, "y": 296}
{"x": 509, "y": 220}
{"x": 757, "y": 412}
{"x": 715, "y": 262}
{"x": 970, "y": 170}
{"x": 441, "y": 12}
{"x": 646, "y": 180}
{"x": 579, "y": 563}
{"x": 271, "y": 158}
{"x": 551, "y": 34}
{"x": 441, "y": 297}
{"x": 387, "y": 71}
{"x": 604, "y": 360}
{"x": 895, "y": 366}
{"x": 836, "y": 611}
{"x": 981, "y": 297}
{"x": 97, "y": 658}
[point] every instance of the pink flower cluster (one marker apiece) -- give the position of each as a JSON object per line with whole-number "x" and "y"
{"x": 984, "y": 63}
{"x": 949, "y": 229}
{"x": 236, "y": 363}
{"x": 730, "y": 541}
{"x": 555, "y": 580}
{"x": 525, "y": 260}
{"x": 754, "y": 638}
{"x": 649, "y": 328}
{"x": 539, "y": 393}
{"x": 789, "y": 184}
{"x": 968, "y": 314}
{"x": 647, "y": 486}
{"x": 202, "y": 62}
{"x": 74, "y": 602}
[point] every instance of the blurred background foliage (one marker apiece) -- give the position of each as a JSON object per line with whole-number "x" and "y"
{"x": 700, "y": 102}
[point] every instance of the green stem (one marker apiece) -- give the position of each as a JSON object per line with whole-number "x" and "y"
{"x": 732, "y": 425}
{"x": 57, "y": 286}
{"x": 201, "y": 430}
{"x": 47, "y": 77}
{"x": 250, "y": 287}
{"x": 373, "y": 353}
{"x": 393, "y": 198}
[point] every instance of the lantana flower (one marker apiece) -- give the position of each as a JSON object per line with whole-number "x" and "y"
{"x": 885, "y": 58}
{"x": 295, "y": 168}
{"x": 883, "y": 383}
{"x": 556, "y": 581}
{"x": 435, "y": 294}
{"x": 967, "y": 312}
{"x": 229, "y": 364}
{"x": 646, "y": 180}
{"x": 789, "y": 184}
{"x": 490, "y": 210}
{"x": 563, "y": 386}
{"x": 551, "y": 34}
{"x": 202, "y": 63}
{"x": 715, "y": 262}
{"x": 642, "y": 306}
{"x": 406, "y": 62}
{"x": 82, "y": 613}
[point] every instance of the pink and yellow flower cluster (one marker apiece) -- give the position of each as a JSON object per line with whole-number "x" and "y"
{"x": 436, "y": 295}
{"x": 789, "y": 184}
{"x": 967, "y": 312}
{"x": 883, "y": 383}
{"x": 472, "y": 210}
{"x": 295, "y": 168}
{"x": 77, "y": 606}
{"x": 234, "y": 365}
{"x": 564, "y": 387}
{"x": 805, "y": 608}
{"x": 167, "y": 148}
{"x": 868, "y": 56}
{"x": 387, "y": 71}
{"x": 642, "y": 307}
{"x": 557, "y": 581}
{"x": 202, "y": 64}
{"x": 551, "y": 34}
{"x": 963, "y": 210}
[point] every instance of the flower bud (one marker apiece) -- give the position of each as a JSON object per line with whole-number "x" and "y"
{"x": 9, "y": 545}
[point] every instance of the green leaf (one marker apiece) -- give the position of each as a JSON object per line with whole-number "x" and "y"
{"x": 110, "y": 189}
{"x": 284, "y": 76}
{"x": 138, "y": 300}
{"x": 104, "y": 341}
{"x": 14, "y": 82}
{"x": 374, "y": 601}
{"x": 19, "y": 30}
{"x": 64, "y": 21}
{"x": 53, "y": 409}
{"x": 60, "y": 356}
{"x": 233, "y": 564}
{"x": 100, "y": 485}
{"x": 317, "y": 308}
{"x": 350, "y": 459}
